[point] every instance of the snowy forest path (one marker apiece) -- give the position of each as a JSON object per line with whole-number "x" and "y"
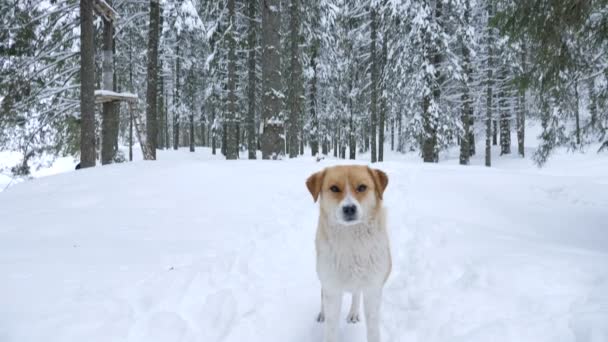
{"x": 201, "y": 250}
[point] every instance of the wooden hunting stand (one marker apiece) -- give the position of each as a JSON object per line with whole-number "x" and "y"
{"x": 105, "y": 95}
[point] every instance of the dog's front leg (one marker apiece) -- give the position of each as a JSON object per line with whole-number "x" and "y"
{"x": 353, "y": 314}
{"x": 372, "y": 299}
{"x": 332, "y": 302}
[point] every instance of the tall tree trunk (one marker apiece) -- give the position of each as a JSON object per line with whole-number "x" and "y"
{"x": 294, "y": 83}
{"x": 314, "y": 120}
{"x": 132, "y": 90}
{"x": 433, "y": 56}
{"x": 251, "y": 82}
{"x": 374, "y": 60}
{"x": 176, "y": 98}
{"x": 213, "y": 131}
{"x": 166, "y": 111}
{"x": 467, "y": 105}
{"x": 352, "y": 138}
{"x": 87, "y": 85}
{"x": 109, "y": 117}
{"x": 392, "y": 133}
{"x": 192, "y": 140}
{"x": 383, "y": 100}
{"x": 489, "y": 85}
{"x": 162, "y": 114}
{"x": 152, "y": 77}
{"x": 521, "y": 113}
{"x": 230, "y": 132}
{"x": 577, "y": 114}
{"x": 273, "y": 145}
{"x": 505, "y": 117}
{"x": 400, "y": 134}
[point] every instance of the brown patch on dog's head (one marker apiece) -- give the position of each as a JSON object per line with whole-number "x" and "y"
{"x": 348, "y": 185}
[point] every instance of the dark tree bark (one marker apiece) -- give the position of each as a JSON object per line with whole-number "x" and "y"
{"x": 166, "y": 111}
{"x": 430, "y": 120}
{"x": 467, "y": 105}
{"x": 592, "y": 103}
{"x": 489, "y": 85}
{"x": 314, "y": 120}
{"x": 133, "y": 91}
{"x": 213, "y": 131}
{"x": 152, "y": 77}
{"x": 374, "y": 60}
{"x": 392, "y": 134}
{"x": 383, "y": 100}
{"x": 251, "y": 85}
{"x": 505, "y": 116}
{"x": 192, "y": 140}
{"x": 577, "y": 115}
{"x": 176, "y": 99}
{"x": 230, "y": 122}
{"x": 273, "y": 145}
{"x": 162, "y": 114}
{"x": 109, "y": 119}
{"x": 294, "y": 84}
{"x": 87, "y": 88}
{"x": 521, "y": 113}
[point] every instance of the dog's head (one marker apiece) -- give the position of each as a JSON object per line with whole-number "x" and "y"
{"x": 348, "y": 194}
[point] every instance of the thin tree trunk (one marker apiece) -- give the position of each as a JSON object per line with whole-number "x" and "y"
{"x": 467, "y": 107}
{"x": 592, "y": 103}
{"x": 383, "y": 101}
{"x": 521, "y": 117}
{"x": 577, "y": 115}
{"x": 167, "y": 139}
{"x": 505, "y": 117}
{"x": 400, "y": 134}
{"x": 152, "y": 77}
{"x": 314, "y": 120}
{"x": 213, "y": 131}
{"x": 230, "y": 132}
{"x": 192, "y": 141}
{"x": 374, "y": 84}
{"x": 489, "y": 86}
{"x": 176, "y": 99}
{"x": 162, "y": 115}
{"x": 131, "y": 89}
{"x": 294, "y": 83}
{"x": 251, "y": 87}
{"x": 87, "y": 88}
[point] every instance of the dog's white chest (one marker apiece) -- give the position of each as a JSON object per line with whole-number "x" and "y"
{"x": 353, "y": 258}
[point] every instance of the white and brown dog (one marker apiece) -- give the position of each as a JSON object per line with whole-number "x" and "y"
{"x": 352, "y": 244}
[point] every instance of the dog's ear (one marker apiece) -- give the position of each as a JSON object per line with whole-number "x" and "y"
{"x": 314, "y": 182}
{"x": 380, "y": 181}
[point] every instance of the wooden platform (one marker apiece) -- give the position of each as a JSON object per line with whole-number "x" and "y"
{"x": 102, "y": 96}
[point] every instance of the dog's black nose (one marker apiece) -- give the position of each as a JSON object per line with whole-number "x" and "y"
{"x": 349, "y": 210}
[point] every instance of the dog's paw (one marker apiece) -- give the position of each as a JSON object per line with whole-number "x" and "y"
{"x": 353, "y": 317}
{"x": 321, "y": 317}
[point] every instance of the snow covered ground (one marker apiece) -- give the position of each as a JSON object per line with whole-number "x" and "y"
{"x": 193, "y": 248}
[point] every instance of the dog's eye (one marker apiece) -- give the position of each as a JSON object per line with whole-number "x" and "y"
{"x": 361, "y": 188}
{"x": 334, "y": 188}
